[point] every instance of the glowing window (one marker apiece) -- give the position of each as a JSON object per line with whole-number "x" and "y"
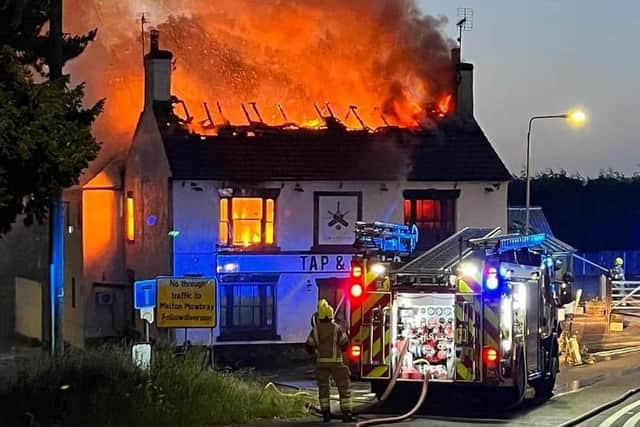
{"x": 434, "y": 218}
{"x": 247, "y": 221}
{"x": 268, "y": 232}
{"x": 224, "y": 221}
{"x": 131, "y": 230}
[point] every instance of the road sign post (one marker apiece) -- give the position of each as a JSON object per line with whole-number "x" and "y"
{"x": 144, "y": 299}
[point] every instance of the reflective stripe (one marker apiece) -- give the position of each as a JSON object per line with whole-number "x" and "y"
{"x": 345, "y": 404}
{"x": 324, "y": 404}
{"x": 335, "y": 340}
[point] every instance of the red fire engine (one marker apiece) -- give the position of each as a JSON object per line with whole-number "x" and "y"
{"x": 478, "y": 309}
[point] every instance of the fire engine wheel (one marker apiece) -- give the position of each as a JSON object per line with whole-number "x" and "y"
{"x": 520, "y": 379}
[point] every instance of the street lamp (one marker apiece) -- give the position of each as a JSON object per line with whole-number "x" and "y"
{"x": 575, "y": 118}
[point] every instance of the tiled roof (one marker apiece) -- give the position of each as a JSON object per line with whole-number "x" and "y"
{"x": 457, "y": 150}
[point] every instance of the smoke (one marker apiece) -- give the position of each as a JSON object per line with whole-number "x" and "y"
{"x": 385, "y": 56}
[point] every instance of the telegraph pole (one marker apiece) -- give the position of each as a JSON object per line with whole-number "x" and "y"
{"x": 56, "y": 217}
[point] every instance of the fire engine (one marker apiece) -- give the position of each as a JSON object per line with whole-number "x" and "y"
{"x": 479, "y": 309}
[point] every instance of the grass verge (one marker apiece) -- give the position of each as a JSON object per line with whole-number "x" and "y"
{"x": 103, "y": 388}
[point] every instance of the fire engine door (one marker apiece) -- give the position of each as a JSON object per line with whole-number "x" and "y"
{"x": 533, "y": 325}
{"x": 376, "y": 337}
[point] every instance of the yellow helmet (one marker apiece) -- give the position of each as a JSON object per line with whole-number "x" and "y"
{"x": 325, "y": 311}
{"x": 619, "y": 261}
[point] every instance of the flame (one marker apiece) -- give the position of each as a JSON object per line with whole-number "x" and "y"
{"x": 385, "y": 56}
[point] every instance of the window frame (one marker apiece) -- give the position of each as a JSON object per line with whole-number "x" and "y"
{"x": 262, "y": 332}
{"x": 229, "y": 243}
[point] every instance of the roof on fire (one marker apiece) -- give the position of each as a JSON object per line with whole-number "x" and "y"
{"x": 457, "y": 150}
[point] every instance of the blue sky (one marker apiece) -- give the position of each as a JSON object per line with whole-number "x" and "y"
{"x": 545, "y": 57}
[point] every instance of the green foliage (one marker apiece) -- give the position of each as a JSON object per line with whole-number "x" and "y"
{"x": 45, "y": 141}
{"x": 45, "y": 131}
{"x": 103, "y": 388}
{"x": 592, "y": 214}
{"x": 22, "y": 26}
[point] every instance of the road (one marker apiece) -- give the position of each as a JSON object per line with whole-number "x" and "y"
{"x": 578, "y": 390}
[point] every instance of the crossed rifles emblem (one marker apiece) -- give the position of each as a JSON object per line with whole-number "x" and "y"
{"x": 337, "y": 218}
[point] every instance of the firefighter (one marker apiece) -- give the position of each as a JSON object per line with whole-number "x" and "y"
{"x": 617, "y": 272}
{"x": 328, "y": 341}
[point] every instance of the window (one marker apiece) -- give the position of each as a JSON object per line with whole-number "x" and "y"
{"x": 435, "y": 219}
{"x": 73, "y": 292}
{"x": 247, "y": 310}
{"x": 130, "y": 218}
{"x": 246, "y": 221}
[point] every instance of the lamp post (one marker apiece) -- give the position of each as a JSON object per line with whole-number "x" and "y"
{"x": 575, "y": 118}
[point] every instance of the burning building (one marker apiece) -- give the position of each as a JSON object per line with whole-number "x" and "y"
{"x": 269, "y": 210}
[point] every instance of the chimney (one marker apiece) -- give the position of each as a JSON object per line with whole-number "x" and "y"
{"x": 157, "y": 73}
{"x": 463, "y": 84}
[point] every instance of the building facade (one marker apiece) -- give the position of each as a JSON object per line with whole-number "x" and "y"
{"x": 268, "y": 211}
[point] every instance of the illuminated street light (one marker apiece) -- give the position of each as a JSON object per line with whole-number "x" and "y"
{"x": 575, "y": 118}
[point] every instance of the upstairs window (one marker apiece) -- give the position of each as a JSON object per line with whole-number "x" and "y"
{"x": 246, "y": 221}
{"x": 433, "y": 212}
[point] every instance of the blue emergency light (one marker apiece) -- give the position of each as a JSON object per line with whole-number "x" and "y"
{"x": 520, "y": 242}
{"x": 144, "y": 294}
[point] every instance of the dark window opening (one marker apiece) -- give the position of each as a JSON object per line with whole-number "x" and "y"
{"x": 73, "y": 292}
{"x": 247, "y": 311}
{"x": 435, "y": 219}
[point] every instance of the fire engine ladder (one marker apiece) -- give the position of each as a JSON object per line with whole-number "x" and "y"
{"x": 388, "y": 240}
{"x": 431, "y": 265}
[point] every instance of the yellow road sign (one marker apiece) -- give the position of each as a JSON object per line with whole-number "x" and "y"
{"x": 186, "y": 302}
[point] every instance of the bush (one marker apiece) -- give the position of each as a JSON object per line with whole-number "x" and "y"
{"x": 103, "y": 388}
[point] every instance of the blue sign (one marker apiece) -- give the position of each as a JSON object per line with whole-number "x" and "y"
{"x": 144, "y": 294}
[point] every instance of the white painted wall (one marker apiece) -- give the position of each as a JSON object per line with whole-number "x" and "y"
{"x": 195, "y": 216}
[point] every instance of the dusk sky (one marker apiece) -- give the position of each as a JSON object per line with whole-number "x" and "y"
{"x": 547, "y": 56}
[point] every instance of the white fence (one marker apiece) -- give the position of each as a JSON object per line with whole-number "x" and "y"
{"x": 625, "y": 295}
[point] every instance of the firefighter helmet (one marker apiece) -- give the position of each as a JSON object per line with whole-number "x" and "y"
{"x": 325, "y": 311}
{"x": 619, "y": 262}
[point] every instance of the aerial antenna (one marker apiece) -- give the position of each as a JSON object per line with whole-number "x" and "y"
{"x": 465, "y": 23}
{"x": 143, "y": 18}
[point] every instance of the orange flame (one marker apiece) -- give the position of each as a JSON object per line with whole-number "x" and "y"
{"x": 385, "y": 56}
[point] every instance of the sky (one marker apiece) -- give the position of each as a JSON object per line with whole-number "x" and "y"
{"x": 539, "y": 57}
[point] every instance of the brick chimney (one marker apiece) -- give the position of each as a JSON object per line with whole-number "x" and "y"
{"x": 157, "y": 72}
{"x": 463, "y": 84}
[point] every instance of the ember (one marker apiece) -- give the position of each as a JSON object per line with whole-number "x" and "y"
{"x": 385, "y": 56}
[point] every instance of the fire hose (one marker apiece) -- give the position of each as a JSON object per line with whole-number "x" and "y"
{"x": 385, "y": 395}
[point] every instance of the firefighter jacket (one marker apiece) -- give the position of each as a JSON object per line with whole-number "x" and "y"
{"x": 617, "y": 273}
{"x": 328, "y": 340}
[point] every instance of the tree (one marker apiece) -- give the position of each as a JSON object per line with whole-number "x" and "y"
{"x": 592, "y": 214}
{"x": 45, "y": 131}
